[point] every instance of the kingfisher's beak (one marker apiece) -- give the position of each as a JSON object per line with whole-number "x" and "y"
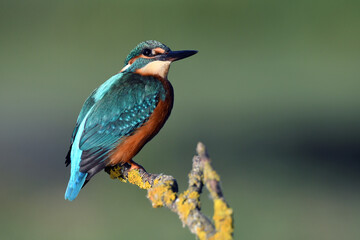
{"x": 176, "y": 55}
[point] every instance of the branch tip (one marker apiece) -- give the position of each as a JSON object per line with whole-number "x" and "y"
{"x": 201, "y": 150}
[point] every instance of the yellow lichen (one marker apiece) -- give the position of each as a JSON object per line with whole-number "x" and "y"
{"x": 184, "y": 194}
{"x": 201, "y": 234}
{"x": 135, "y": 178}
{"x": 223, "y": 220}
{"x": 156, "y": 181}
{"x": 115, "y": 173}
{"x": 194, "y": 195}
{"x": 161, "y": 193}
{"x": 209, "y": 173}
{"x": 185, "y": 206}
{"x": 169, "y": 197}
{"x": 155, "y": 198}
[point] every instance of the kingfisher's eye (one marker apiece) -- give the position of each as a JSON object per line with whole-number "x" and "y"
{"x": 147, "y": 52}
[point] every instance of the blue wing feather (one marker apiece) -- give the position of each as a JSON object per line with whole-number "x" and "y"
{"x": 126, "y": 106}
{"x": 115, "y": 110}
{"x": 107, "y": 131}
{"x": 90, "y": 101}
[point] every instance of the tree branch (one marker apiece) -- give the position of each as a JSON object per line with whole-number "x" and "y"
{"x": 163, "y": 192}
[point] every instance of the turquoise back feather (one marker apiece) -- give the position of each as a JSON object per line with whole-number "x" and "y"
{"x": 113, "y": 111}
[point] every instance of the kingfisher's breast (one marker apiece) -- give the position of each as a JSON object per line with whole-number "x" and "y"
{"x": 131, "y": 145}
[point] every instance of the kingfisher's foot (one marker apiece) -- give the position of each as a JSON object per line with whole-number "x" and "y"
{"x": 134, "y": 165}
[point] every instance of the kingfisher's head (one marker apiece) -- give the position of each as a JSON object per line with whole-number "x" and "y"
{"x": 153, "y": 58}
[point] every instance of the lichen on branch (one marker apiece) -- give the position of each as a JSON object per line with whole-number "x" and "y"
{"x": 163, "y": 192}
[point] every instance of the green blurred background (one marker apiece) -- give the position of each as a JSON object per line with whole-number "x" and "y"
{"x": 273, "y": 93}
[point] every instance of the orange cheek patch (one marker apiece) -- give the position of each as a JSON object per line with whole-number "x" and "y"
{"x": 133, "y": 59}
{"x": 158, "y": 51}
{"x": 155, "y": 51}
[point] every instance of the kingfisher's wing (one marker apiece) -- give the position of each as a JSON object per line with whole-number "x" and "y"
{"x": 90, "y": 101}
{"x": 124, "y": 108}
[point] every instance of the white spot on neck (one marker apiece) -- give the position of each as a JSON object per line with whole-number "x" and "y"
{"x": 160, "y": 68}
{"x": 126, "y": 67}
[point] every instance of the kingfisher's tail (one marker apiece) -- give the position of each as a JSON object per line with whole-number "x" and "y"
{"x": 75, "y": 184}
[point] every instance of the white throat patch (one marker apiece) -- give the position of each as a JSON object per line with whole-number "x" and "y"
{"x": 160, "y": 68}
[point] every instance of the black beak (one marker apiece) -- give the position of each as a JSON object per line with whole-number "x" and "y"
{"x": 176, "y": 55}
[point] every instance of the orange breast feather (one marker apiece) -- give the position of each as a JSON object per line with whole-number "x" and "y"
{"x": 131, "y": 145}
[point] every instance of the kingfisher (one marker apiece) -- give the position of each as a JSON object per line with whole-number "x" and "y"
{"x": 122, "y": 114}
